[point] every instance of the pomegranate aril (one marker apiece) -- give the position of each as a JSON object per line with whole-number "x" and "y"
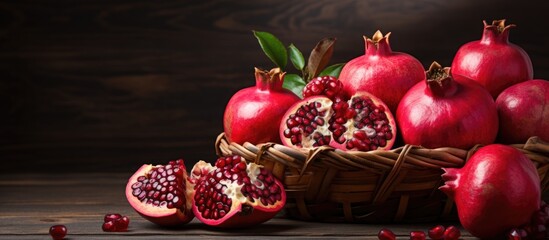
{"x": 122, "y": 223}
{"x": 436, "y": 232}
{"x": 417, "y": 235}
{"x": 109, "y": 226}
{"x": 517, "y": 234}
{"x": 111, "y": 217}
{"x": 58, "y": 232}
{"x": 386, "y": 234}
{"x": 452, "y": 233}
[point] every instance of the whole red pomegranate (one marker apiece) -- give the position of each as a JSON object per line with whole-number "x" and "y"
{"x": 253, "y": 114}
{"x": 493, "y": 61}
{"x": 524, "y": 111}
{"x": 234, "y": 193}
{"x": 160, "y": 193}
{"x": 443, "y": 111}
{"x": 362, "y": 123}
{"x": 385, "y": 74}
{"x": 498, "y": 189}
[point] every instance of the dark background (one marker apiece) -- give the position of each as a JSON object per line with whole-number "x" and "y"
{"x": 109, "y": 85}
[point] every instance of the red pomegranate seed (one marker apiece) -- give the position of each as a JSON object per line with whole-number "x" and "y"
{"x": 58, "y": 232}
{"x": 111, "y": 217}
{"x": 386, "y": 234}
{"x": 122, "y": 223}
{"x": 436, "y": 232}
{"x": 517, "y": 234}
{"x": 452, "y": 233}
{"x": 109, "y": 226}
{"x": 417, "y": 235}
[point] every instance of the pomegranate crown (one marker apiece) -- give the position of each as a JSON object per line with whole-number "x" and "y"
{"x": 439, "y": 80}
{"x": 497, "y": 31}
{"x": 378, "y": 44}
{"x": 269, "y": 80}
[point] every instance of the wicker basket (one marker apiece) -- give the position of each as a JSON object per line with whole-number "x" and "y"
{"x": 400, "y": 185}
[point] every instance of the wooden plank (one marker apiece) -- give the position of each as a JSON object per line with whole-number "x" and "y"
{"x": 30, "y": 204}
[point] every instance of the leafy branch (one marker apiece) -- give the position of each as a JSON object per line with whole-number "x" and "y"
{"x": 316, "y": 65}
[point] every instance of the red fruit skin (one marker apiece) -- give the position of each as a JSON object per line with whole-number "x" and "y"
{"x": 465, "y": 116}
{"x": 386, "y": 74}
{"x": 253, "y": 114}
{"x": 493, "y": 61}
{"x": 523, "y": 111}
{"x": 498, "y": 189}
{"x": 160, "y": 216}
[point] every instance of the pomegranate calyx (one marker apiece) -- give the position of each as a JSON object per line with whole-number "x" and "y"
{"x": 269, "y": 80}
{"x": 451, "y": 181}
{"x": 378, "y": 44}
{"x": 496, "y": 32}
{"x": 439, "y": 80}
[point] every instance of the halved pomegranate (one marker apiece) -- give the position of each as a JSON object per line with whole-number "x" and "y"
{"x": 160, "y": 193}
{"x": 362, "y": 123}
{"x": 234, "y": 193}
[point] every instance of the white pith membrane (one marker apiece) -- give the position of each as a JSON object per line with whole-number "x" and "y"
{"x": 220, "y": 192}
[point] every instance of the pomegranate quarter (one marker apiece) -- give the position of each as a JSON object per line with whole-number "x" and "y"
{"x": 159, "y": 193}
{"x": 234, "y": 193}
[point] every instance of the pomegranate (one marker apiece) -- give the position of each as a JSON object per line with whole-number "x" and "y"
{"x": 498, "y": 189}
{"x": 253, "y": 114}
{"x": 444, "y": 111}
{"x": 493, "y": 61}
{"x": 160, "y": 193}
{"x": 328, "y": 86}
{"x": 234, "y": 193}
{"x": 363, "y": 123}
{"x": 524, "y": 111}
{"x": 386, "y": 74}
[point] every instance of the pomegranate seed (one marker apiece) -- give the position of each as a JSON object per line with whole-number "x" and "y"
{"x": 58, "y": 232}
{"x": 122, "y": 223}
{"x": 111, "y": 217}
{"x": 417, "y": 235}
{"x": 452, "y": 233}
{"x": 386, "y": 234}
{"x": 437, "y": 232}
{"x": 109, "y": 226}
{"x": 517, "y": 234}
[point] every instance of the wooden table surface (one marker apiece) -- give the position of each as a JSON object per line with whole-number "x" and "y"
{"x": 30, "y": 204}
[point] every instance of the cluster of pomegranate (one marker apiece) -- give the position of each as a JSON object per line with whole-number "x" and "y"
{"x": 231, "y": 193}
{"x": 488, "y": 96}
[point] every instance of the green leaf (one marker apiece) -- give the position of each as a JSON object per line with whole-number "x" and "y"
{"x": 320, "y": 56}
{"x": 273, "y": 48}
{"x": 294, "y": 83}
{"x": 296, "y": 57}
{"x": 333, "y": 70}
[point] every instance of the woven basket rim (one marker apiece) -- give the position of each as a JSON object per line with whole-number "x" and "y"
{"x": 392, "y": 180}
